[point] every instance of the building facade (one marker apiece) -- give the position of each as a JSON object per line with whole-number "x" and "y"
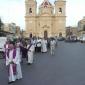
{"x": 71, "y": 31}
{"x": 49, "y": 21}
{"x": 81, "y": 27}
{"x": 11, "y": 28}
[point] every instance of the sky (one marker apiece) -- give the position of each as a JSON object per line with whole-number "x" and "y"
{"x": 14, "y": 11}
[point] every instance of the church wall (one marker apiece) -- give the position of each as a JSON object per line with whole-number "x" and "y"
{"x": 59, "y": 25}
{"x": 30, "y": 26}
{"x": 46, "y": 20}
{"x": 44, "y": 24}
{"x": 53, "y": 25}
{"x": 46, "y": 10}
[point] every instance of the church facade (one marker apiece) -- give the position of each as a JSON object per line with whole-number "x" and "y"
{"x": 48, "y": 22}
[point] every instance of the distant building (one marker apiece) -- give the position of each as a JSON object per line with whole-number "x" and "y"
{"x": 5, "y": 30}
{"x": 71, "y": 31}
{"x": 12, "y": 28}
{"x": 81, "y": 26}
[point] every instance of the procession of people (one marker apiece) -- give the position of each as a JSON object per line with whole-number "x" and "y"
{"x": 16, "y": 50}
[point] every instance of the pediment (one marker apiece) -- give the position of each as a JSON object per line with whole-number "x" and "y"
{"x": 46, "y": 4}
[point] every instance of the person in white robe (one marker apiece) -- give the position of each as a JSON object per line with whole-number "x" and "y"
{"x": 18, "y": 65}
{"x": 38, "y": 45}
{"x": 19, "y": 51}
{"x": 56, "y": 41}
{"x": 10, "y": 63}
{"x": 30, "y": 53}
{"x": 44, "y": 45}
{"x": 33, "y": 41}
{"x": 52, "y": 46}
{"x": 6, "y": 47}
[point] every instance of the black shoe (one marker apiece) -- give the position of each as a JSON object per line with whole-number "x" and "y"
{"x": 17, "y": 79}
{"x": 11, "y": 82}
{"x": 29, "y": 64}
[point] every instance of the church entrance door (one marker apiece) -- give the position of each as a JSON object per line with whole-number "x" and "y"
{"x": 45, "y": 34}
{"x": 30, "y": 35}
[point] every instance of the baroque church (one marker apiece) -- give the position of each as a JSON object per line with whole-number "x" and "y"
{"x": 49, "y": 21}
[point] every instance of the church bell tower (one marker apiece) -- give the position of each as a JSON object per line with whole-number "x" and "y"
{"x": 60, "y": 8}
{"x": 60, "y": 14}
{"x": 30, "y": 17}
{"x": 31, "y": 7}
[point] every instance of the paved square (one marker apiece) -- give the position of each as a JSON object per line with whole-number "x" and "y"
{"x": 66, "y": 67}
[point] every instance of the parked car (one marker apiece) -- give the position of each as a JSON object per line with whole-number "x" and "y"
{"x": 61, "y": 38}
{"x": 71, "y": 38}
{"x": 78, "y": 38}
{"x": 82, "y": 39}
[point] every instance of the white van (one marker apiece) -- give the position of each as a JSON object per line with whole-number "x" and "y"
{"x": 2, "y": 43}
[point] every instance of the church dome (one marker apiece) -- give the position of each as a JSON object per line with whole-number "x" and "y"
{"x": 46, "y": 4}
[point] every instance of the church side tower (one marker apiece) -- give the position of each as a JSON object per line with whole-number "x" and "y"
{"x": 60, "y": 8}
{"x": 30, "y": 17}
{"x": 60, "y": 14}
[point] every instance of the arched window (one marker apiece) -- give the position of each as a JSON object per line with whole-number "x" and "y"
{"x": 30, "y": 10}
{"x": 60, "y": 10}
